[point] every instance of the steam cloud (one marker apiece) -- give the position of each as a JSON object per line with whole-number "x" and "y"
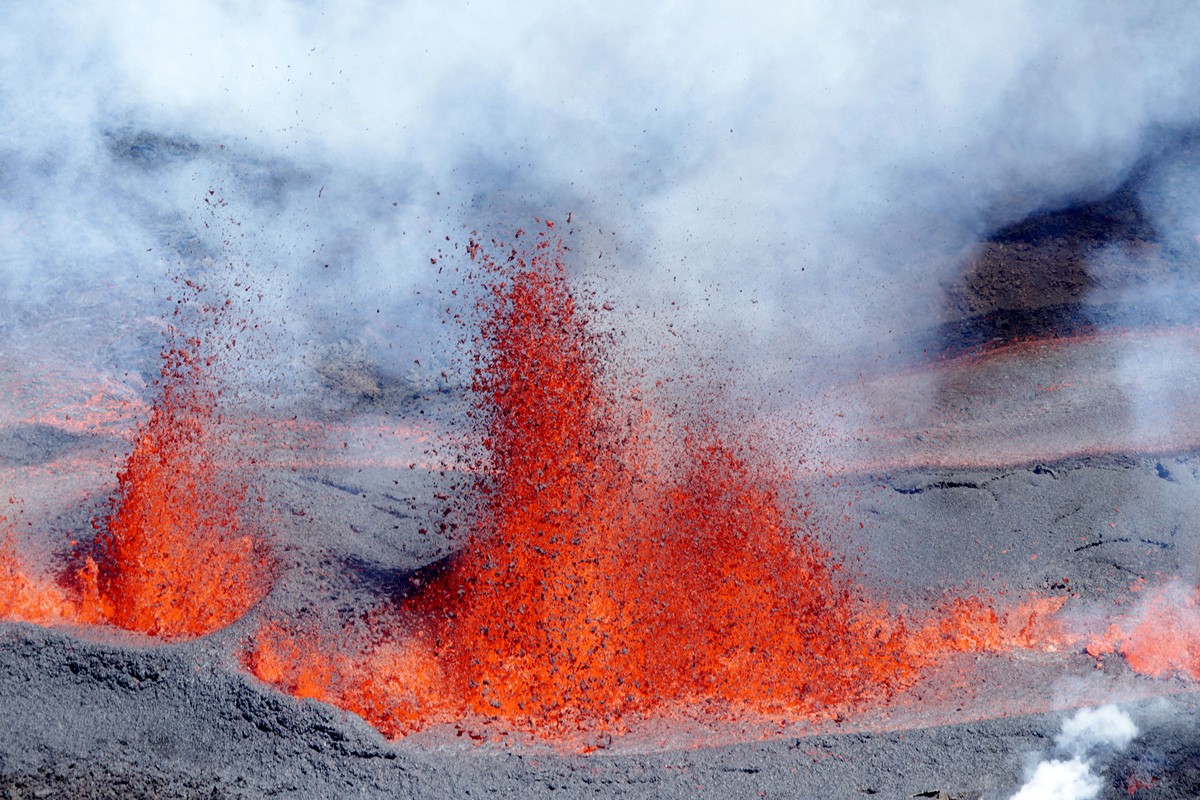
{"x": 813, "y": 174}
{"x": 1084, "y": 737}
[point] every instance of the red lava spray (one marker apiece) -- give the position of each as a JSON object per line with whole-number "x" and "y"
{"x": 1161, "y": 637}
{"x": 174, "y": 558}
{"x": 614, "y": 575}
{"x": 619, "y": 566}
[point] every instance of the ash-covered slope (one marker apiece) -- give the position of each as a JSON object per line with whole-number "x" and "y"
{"x": 94, "y": 714}
{"x": 85, "y": 720}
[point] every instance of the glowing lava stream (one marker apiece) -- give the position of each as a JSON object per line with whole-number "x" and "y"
{"x": 622, "y": 565}
{"x": 1031, "y": 401}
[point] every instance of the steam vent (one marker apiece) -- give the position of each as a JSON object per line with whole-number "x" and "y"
{"x": 543, "y": 400}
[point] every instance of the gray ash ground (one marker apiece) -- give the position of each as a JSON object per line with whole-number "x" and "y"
{"x": 89, "y": 720}
{"x": 90, "y": 714}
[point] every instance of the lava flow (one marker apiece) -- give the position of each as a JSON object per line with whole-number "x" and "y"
{"x": 26, "y": 598}
{"x": 622, "y": 564}
{"x": 1161, "y": 638}
{"x": 174, "y": 558}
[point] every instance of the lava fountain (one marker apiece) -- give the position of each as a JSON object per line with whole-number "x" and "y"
{"x": 622, "y": 563}
{"x": 174, "y": 558}
{"x": 612, "y": 573}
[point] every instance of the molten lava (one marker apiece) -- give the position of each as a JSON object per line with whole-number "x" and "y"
{"x": 175, "y": 560}
{"x": 607, "y": 578}
{"x": 383, "y": 673}
{"x": 25, "y": 598}
{"x": 621, "y": 564}
{"x": 1161, "y": 638}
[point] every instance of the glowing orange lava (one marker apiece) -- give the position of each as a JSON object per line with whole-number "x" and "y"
{"x": 621, "y": 564}
{"x": 25, "y": 598}
{"x": 393, "y": 680}
{"x": 974, "y": 625}
{"x": 175, "y": 559}
{"x": 1161, "y": 638}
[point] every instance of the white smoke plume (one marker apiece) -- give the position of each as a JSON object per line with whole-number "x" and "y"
{"x": 1084, "y": 741}
{"x": 813, "y": 172}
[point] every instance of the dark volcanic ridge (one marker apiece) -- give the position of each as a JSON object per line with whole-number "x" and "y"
{"x": 1096, "y": 265}
{"x": 90, "y": 720}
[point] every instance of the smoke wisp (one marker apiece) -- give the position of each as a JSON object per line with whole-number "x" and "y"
{"x": 1085, "y": 739}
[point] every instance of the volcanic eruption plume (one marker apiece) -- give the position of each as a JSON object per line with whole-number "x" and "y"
{"x": 932, "y": 274}
{"x": 610, "y": 576}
